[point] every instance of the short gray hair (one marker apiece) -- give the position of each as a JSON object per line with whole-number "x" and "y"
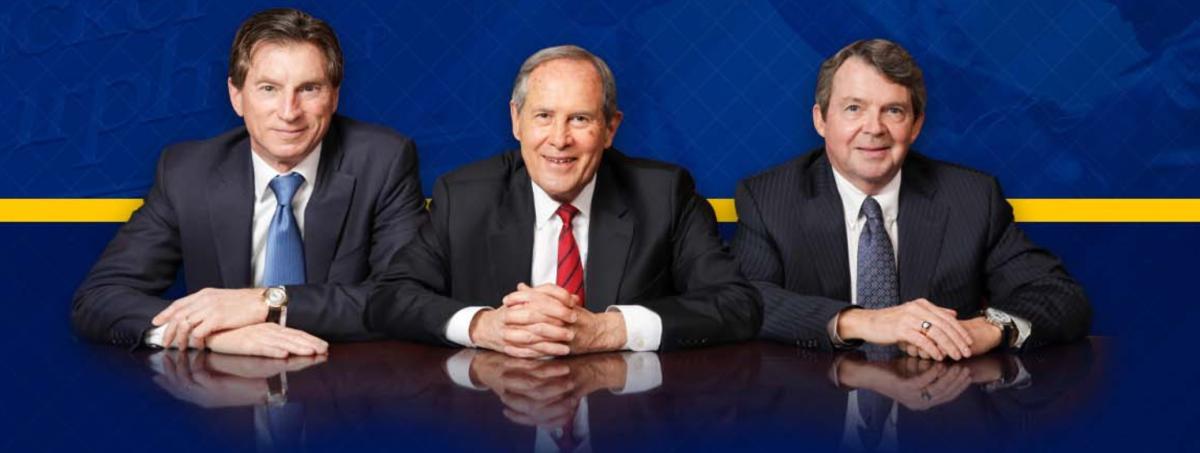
{"x": 521, "y": 85}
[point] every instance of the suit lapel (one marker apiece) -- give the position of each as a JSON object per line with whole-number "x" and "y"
{"x": 922, "y": 224}
{"x": 230, "y": 208}
{"x": 609, "y": 236}
{"x": 828, "y": 247}
{"x": 510, "y": 241}
{"x": 327, "y": 208}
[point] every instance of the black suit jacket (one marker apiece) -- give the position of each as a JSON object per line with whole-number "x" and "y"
{"x": 959, "y": 248}
{"x": 197, "y": 216}
{"x": 652, "y": 241}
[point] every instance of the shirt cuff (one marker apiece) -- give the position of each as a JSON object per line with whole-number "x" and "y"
{"x": 838, "y": 342}
{"x": 643, "y": 372}
{"x": 643, "y": 327}
{"x": 1024, "y": 329}
{"x": 154, "y": 337}
{"x": 458, "y": 367}
{"x": 458, "y": 330}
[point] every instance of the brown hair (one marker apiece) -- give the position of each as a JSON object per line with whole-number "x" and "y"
{"x": 888, "y": 58}
{"x": 284, "y": 26}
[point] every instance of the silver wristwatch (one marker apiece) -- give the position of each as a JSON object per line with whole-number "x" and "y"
{"x": 1008, "y": 327}
{"x": 276, "y": 298}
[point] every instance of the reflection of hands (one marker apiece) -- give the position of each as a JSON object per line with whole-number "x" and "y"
{"x": 217, "y": 380}
{"x": 915, "y": 383}
{"x": 902, "y": 324}
{"x": 190, "y": 320}
{"x": 546, "y": 393}
{"x": 267, "y": 339}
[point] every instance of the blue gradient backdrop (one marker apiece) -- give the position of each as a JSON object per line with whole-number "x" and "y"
{"x": 1058, "y": 98}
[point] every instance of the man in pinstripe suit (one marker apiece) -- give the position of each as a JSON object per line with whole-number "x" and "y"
{"x": 864, "y": 241}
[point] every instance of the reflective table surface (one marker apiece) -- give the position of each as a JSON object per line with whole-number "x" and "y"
{"x": 754, "y": 396}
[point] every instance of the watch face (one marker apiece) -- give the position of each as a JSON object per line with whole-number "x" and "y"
{"x": 276, "y": 297}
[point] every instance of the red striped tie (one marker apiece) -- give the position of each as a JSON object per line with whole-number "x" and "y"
{"x": 570, "y": 268}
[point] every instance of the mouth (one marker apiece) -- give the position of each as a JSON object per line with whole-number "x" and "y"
{"x": 290, "y": 133}
{"x": 873, "y": 149}
{"x": 564, "y": 161}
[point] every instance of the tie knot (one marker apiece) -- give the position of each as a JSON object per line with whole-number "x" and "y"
{"x": 567, "y": 213}
{"x": 871, "y": 209}
{"x": 285, "y": 187}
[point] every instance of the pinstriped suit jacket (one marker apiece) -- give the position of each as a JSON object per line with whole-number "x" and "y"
{"x": 959, "y": 248}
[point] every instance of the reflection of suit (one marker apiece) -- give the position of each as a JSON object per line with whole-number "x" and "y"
{"x": 653, "y": 242}
{"x": 197, "y": 216}
{"x": 958, "y": 247}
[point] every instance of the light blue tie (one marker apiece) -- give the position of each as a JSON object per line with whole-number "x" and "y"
{"x": 285, "y": 248}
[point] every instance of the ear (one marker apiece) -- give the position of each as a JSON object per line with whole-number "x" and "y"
{"x": 235, "y": 96}
{"x": 917, "y": 129}
{"x": 613, "y": 124}
{"x": 818, "y": 120}
{"x": 515, "y": 116}
{"x": 337, "y": 92}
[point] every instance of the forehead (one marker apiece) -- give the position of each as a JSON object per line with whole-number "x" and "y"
{"x": 297, "y": 58}
{"x": 565, "y": 80}
{"x": 858, "y": 79}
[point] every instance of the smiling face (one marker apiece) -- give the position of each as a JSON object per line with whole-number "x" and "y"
{"x": 869, "y": 126}
{"x": 561, "y": 126}
{"x": 287, "y": 102}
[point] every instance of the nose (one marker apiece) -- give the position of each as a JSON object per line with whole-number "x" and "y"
{"x": 560, "y": 137}
{"x": 289, "y": 110}
{"x": 873, "y": 124}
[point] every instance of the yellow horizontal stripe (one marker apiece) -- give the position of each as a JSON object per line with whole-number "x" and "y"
{"x": 1025, "y": 209}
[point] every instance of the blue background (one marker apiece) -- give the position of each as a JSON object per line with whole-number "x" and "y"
{"x": 1070, "y": 98}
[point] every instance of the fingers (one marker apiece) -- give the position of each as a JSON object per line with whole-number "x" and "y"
{"x": 926, "y": 348}
{"x": 949, "y": 334}
{"x": 521, "y": 316}
{"x": 541, "y": 306}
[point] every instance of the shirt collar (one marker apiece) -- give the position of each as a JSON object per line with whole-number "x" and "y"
{"x": 264, "y": 173}
{"x": 545, "y": 207}
{"x": 852, "y": 198}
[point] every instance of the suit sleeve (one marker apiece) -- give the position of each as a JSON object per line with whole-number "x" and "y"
{"x": 715, "y": 304}
{"x": 407, "y": 302}
{"x": 335, "y": 311}
{"x": 787, "y": 316}
{"x": 121, "y": 293}
{"x": 1028, "y": 281}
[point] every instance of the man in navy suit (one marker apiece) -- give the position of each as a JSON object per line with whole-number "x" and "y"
{"x": 566, "y": 246}
{"x": 865, "y": 241}
{"x": 277, "y": 225}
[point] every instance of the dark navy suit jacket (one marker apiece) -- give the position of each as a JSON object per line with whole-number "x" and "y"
{"x": 959, "y": 248}
{"x": 197, "y": 217}
{"x": 652, "y": 241}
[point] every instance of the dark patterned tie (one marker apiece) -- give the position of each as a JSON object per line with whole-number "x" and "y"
{"x": 878, "y": 286}
{"x": 285, "y": 248}
{"x": 570, "y": 267}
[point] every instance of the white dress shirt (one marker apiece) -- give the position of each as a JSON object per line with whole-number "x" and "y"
{"x": 264, "y": 211}
{"x": 855, "y": 221}
{"x": 643, "y": 327}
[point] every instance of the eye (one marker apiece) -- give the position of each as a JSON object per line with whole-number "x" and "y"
{"x": 310, "y": 88}
{"x": 853, "y": 108}
{"x": 580, "y": 119}
{"x": 894, "y": 110}
{"x": 266, "y": 88}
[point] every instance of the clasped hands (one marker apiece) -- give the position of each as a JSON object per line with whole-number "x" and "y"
{"x": 918, "y": 384}
{"x": 546, "y": 321}
{"x": 945, "y": 336}
{"x": 231, "y": 321}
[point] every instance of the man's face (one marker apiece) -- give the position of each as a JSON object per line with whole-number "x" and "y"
{"x": 286, "y": 100}
{"x": 869, "y": 125}
{"x": 561, "y": 127}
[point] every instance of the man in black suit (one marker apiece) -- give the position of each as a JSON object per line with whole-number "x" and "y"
{"x": 864, "y": 241}
{"x": 656, "y": 274}
{"x": 299, "y": 201}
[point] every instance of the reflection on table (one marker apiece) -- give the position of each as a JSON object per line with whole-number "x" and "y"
{"x": 756, "y": 395}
